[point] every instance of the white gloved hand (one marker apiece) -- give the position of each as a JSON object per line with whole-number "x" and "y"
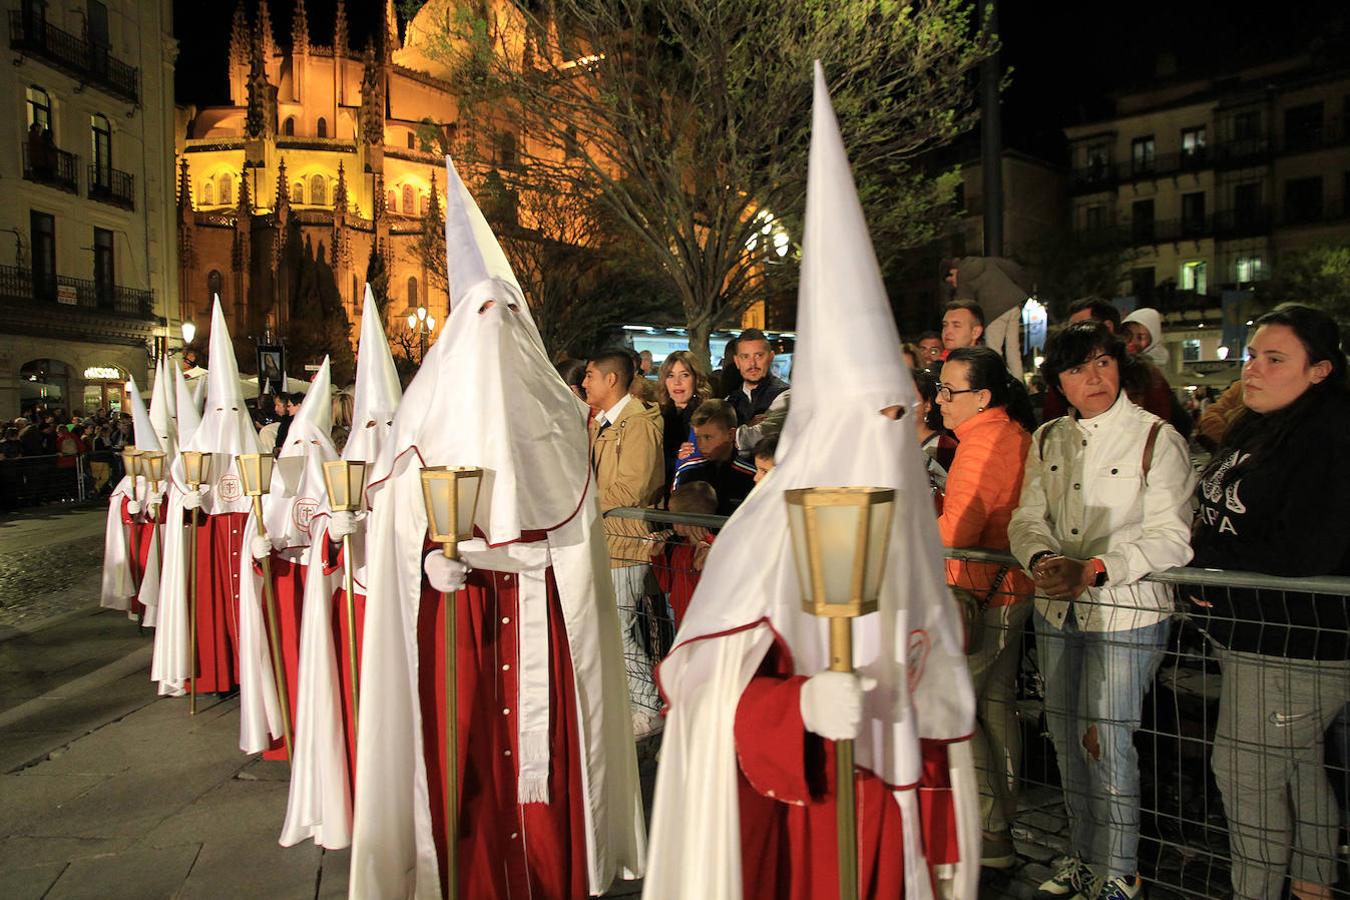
{"x": 260, "y": 547}
{"x": 831, "y": 704}
{"x": 133, "y": 508}
{"x": 192, "y": 499}
{"x": 341, "y": 524}
{"x": 445, "y": 574}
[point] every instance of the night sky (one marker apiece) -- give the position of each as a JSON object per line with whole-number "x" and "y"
{"x": 1067, "y": 57}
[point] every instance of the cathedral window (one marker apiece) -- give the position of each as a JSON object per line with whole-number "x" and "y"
{"x": 297, "y": 193}
{"x": 208, "y": 194}
{"x": 409, "y": 205}
{"x": 391, "y": 200}
{"x": 318, "y": 191}
{"x": 322, "y": 129}
{"x": 226, "y": 186}
{"x": 288, "y": 127}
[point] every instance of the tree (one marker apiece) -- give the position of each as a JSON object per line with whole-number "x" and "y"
{"x": 1317, "y": 276}
{"x": 689, "y": 120}
{"x": 574, "y": 267}
{"x": 318, "y": 324}
{"x": 377, "y": 276}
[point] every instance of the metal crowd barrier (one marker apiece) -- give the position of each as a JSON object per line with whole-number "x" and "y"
{"x": 56, "y": 478}
{"x": 1181, "y": 829}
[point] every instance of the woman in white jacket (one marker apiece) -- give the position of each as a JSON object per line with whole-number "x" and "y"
{"x": 1105, "y": 501}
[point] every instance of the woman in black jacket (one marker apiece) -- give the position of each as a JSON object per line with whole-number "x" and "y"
{"x": 1274, "y": 500}
{"x": 681, "y": 384}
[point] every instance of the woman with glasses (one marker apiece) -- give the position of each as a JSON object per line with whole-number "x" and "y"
{"x": 1105, "y": 501}
{"x": 989, "y": 412}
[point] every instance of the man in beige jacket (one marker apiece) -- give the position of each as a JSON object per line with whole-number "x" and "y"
{"x": 629, "y": 471}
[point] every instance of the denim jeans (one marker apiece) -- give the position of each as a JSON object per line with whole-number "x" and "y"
{"x": 1098, "y": 680}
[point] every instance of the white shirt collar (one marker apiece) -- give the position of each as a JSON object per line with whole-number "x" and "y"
{"x": 611, "y": 415}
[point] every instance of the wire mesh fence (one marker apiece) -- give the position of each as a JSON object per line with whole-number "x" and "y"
{"x": 1123, "y": 730}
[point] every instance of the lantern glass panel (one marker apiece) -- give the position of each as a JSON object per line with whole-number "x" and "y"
{"x": 879, "y": 528}
{"x": 836, "y": 543}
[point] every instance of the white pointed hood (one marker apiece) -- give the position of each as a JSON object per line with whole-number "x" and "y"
{"x": 199, "y": 396}
{"x": 847, "y": 368}
{"x": 489, "y": 368}
{"x": 297, "y": 480}
{"x": 161, "y": 410}
{"x": 147, "y": 436}
{"x": 225, "y": 426}
{"x": 189, "y": 417}
{"x": 378, "y": 391}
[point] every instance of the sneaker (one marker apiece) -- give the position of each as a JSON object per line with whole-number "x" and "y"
{"x": 1070, "y": 879}
{"x": 997, "y": 852}
{"x": 1122, "y": 887}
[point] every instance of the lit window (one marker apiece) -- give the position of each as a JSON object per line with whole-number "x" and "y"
{"x": 318, "y": 191}
{"x": 297, "y": 193}
{"x": 1249, "y": 268}
{"x": 226, "y": 188}
{"x": 1195, "y": 276}
{"x": 409, "y": 205}
{"x": 1190, "y": 351}
{"x": 39, "y": 108}
{"x": 1193, "y": 141}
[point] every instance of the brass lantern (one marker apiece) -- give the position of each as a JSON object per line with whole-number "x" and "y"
{"x": 839, "y": 539}
{"x": 196, "y": 467}
{"x": 130, "y": 457}
{"x": 346, "y": 483}
{"x": 255, "y": 469}
{"x": 451, "y": 497}
{"x": 152, "y": 466}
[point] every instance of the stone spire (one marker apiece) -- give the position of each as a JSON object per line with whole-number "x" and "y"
{"x": 434, "y": 206}
{"x": 257, "y": 119}
{"x": 371, "y": 115}
{"x": 184, "y": 185}
{"x": 283, "y": 202}
{"x": 300, "y": 29}
{"x": 391, "y": 41}
{"x": 340, "y": 192}
{"x": 239, "y": 36}
{"x": 245, "y": 206}
{"x": 265, "y": 33}
{"x": 340, "y": 37}
{"x": 341, "y": 246}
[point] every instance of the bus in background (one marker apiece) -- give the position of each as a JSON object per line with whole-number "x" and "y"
{"x": 661, "y": 341}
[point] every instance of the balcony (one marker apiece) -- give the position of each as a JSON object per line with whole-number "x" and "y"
{"x": 72, "y": 54}
{"x": 1331, "y": 133}
{"x": 1240, "y": 223}
{"x": 50, "y": 166}
{"x": 108, "y": 185}
{"x": 21, "y": 285}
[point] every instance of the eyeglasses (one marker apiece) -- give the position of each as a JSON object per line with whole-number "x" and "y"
{"x": 945, "y": 392}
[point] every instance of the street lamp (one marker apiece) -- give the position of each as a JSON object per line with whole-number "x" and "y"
{"x": 189, "y": 331}
{"x": 421, "y": 323}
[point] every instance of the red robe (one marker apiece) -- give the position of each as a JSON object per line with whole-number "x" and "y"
{"x": 288, "y": 584}
{"x": 219, "y": 544}
{"x": 142, "y": 538}
{"x": 787, "y": 802}
{"x": 332, "y": 563}
{"x": 506, "y": 850}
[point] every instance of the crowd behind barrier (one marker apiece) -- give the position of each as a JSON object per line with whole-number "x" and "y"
{"x": 27, "y": 481}
{"x": 1183, "y": 831}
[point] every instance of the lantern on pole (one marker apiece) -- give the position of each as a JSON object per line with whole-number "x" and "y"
{"x": 152, "y": 467}
{"x": 346, "y": 483}
{"x": 255, "y": 470}
{"x": 196, "y": 469}
{"x": 451, "y": 498}
{"x": 840, "y": 536}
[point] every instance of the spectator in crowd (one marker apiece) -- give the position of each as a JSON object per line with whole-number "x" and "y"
{"x": 718, "y": 462}
{"x": 1105, "y": 501}
{"x": 761, "y": 403}
{"x": 1144, "y": 383}
{"x": 1144, "y": 336}
{"x": 1273, "y": 500}
{"x": 69, "y": 446}
{"x": 681, "y": 385}
{"x": 678, "y": 560}
{"x": 572, "y": 371}
{"x": 10, "y": 445}
{"x": 962, "y": 325}
{"x": 642, "y": 389}
{"x": 283, "y": 411}
{"x": 644, "y": 365}
{"x": 939, "y": 447}
{"x": 910, "y": 354}
{"x": 627, "y": 454}
{"x": 344, "y": 402}
{"x": 30, "y": 436}
{"x": 930, "y": 349}
{"x": 765, "y": 452}
{"x": 1215, "y": 418}
{"x": 727, "y": 378}
{"x": 988, "y": 410}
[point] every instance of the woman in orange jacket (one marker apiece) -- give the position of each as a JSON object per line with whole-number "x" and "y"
{"x": 990, "y": 414}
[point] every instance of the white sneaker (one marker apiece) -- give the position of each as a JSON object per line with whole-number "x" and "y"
{"x": 1122, "y": 887}
{"x": 1070, "y": 879}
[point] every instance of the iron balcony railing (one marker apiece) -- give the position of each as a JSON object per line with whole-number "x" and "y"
{"x": 22, "y": 285}
{"x": 47, "y": 165}
{"x": 91, "y": 63}
{"x": 109, "y": 185}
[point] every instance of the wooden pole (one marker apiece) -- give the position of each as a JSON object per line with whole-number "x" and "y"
{"x": 274, "y": 634}
{"x": 841, "y": 660}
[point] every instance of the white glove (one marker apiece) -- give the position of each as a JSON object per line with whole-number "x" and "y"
{"x": 152, "y": 503}
{"x": 133, "y": 508}
{"x": 192, "y": 500}
{"x": 341, "y": 524}
{"x": 831, "y": 704}
{"x": 445, "y": 574}
{"x": 260, "y": 547}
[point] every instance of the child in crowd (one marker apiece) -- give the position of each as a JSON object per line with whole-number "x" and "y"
{"x": 764, "y": 454}
{"x": 714, "y": 424}
{"x": 678, "y": 562}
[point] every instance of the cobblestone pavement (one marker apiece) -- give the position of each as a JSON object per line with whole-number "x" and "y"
{"x": 51, "y": 563}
